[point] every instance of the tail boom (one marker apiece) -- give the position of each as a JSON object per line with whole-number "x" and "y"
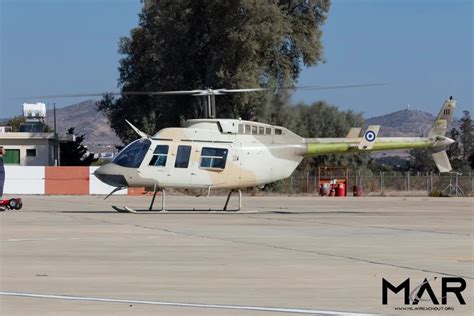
{"x": 315, "y": 146}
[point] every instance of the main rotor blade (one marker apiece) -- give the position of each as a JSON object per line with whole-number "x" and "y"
{"x": 78, "y": 95}
{"x": 203, "y": 92}
{"x": 344, "y": 86}
{"x": 243, "y": 90}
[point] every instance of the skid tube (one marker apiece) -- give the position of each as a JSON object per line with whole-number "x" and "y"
{"x": 163, "y": 209}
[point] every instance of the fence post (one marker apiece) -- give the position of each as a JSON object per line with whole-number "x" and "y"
{"x": 472, "y": 182}
{"x": 315, "y": 183}
{"x": 307, "y": 181}
{"x": 431, "y": 181}
{"x": 407, "y": 181}
{"x": 381, "y": 182}
{"x": 427, "y": 183}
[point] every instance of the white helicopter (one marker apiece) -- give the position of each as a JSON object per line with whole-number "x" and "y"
{"x": 232, "y": 154}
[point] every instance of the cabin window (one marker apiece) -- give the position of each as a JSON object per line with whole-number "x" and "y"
{"x": 160, "y": 155}
{"x": 182, "y": 157}
{"x": 241, "y": 128}
{"x": 247, "y": 129}
{"x": 213, "y": 157}
{"x": 254, "y": 129}
{"x": 278, "y": 131}
{"x": 268, "y": 130}
{"x": 261, "y": 130}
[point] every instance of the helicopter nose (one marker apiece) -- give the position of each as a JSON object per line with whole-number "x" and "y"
{"x": 112, "y": 175}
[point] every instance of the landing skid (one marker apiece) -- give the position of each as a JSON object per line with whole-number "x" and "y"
{"x": 163, "y": 209}
{"x": 124, "y": 209}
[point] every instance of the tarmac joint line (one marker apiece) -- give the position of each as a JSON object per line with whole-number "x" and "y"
{"x": 188, "y": 305}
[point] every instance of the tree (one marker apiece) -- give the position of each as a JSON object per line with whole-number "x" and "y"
{"x": 16, "y": 121}
{"x": 184, "y": 45}
{"x": 421, "y": 160}
{"x": 319, "y": 119}
{"x": 454, "y": 150}
{"x": 75, "y": 153}
{"x": 466, "y": 137}
{"x": 324, "y": 120}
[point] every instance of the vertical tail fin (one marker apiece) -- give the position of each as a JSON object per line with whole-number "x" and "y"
{"x": 437, "y": 131}
{"x": 445, "y": 116}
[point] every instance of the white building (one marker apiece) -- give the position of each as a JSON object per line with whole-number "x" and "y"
{"x": 31, "y": 146}
{"x": 31, "y": 149}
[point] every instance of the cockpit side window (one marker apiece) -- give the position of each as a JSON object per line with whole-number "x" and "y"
{"x": 132, "y": 155}
{"x": 160, "y": 155}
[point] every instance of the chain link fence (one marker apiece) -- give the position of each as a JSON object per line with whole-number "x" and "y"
{"x": 387, "y": 183}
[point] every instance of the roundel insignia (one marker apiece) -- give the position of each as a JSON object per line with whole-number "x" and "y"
{"x": 369, "y": 136}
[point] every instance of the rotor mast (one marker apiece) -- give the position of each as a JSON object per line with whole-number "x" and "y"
{"x": 210, "y": 107}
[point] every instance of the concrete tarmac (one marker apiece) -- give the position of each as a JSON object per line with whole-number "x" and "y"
{"x": 298, "y": 254}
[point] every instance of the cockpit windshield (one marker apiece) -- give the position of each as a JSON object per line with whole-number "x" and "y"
{"x": 132, "y": 155}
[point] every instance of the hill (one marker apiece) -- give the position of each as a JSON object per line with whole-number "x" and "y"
{"x": 86, "y": 120}
{"x": 403, "y": 123}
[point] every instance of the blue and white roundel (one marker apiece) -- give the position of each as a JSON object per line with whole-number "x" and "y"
{"x": 369, "y": 136}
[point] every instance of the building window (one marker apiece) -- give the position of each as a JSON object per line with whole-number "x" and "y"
{"x": 160, "y": 155}
{"x": 182, "y": 157}
{"x": 278, "y": 131}
{"x": 31, "y": 153}
{"x": 213, "y": 157}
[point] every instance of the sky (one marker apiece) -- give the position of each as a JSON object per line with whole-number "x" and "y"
{"x": 423, "y": 49}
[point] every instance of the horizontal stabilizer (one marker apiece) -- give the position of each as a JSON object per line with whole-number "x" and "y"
{"x": 370, "y": 135}
{"x": 354, "y": 132}
{"x": 442, "y": 161}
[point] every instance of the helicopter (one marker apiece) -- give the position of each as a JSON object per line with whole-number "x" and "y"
{"x": 232, "y": 154}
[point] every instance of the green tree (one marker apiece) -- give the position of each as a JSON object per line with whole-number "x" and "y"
{"x": 16, "y": 121}
{"x": 186, "y": 44}
{"x": 421, "y": 160}
{"x": 75, "y": 153}
{"x": 454, "y": 150}
{"x": 466, "y": 137}
{"x": 324, "y": 120}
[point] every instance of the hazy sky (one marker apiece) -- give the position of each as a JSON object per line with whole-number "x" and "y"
{"x": 423, "y": 48}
